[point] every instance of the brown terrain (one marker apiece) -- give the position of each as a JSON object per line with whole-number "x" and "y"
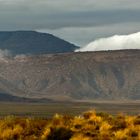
{"x": 112, "y": 75}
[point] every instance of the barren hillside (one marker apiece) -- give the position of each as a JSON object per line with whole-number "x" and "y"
{"x": 113, "y": 75}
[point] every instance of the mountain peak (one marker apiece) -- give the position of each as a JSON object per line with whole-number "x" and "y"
{"x": 33, "y": 42}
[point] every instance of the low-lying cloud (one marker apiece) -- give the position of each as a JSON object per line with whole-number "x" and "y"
{"x": 5, "y": 53}
{"x": 116, "y": 42}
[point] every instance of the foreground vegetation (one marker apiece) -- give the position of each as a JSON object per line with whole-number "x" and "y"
{"x": 88, "y": 126}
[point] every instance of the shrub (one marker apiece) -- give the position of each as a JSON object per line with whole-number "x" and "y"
{"x": 89, "y": 126}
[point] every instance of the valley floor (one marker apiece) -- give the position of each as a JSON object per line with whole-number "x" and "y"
{"x": 46, "y": 110}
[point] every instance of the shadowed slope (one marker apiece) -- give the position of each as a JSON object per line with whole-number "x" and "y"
{"x": 31, "y": 42}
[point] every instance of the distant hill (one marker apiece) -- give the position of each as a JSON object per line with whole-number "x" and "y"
{"x": 10, "y": 98}
{"x": 31, "y": 42}
{"x": 112, "y": 75}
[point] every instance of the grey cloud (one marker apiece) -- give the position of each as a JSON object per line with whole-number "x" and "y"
{"x": 56, "y": 15}
{"x": 36, "y": 20}
{"x": 52, "y": 14}
{"x": 84, "y": 35}
{"x": 75, "y": 4}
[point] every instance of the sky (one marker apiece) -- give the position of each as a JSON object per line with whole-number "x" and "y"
{"x": 77, "y": 21}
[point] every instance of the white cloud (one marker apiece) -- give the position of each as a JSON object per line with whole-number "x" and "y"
{"x": 5, "y": 53}
{"x": 117, "y": 42}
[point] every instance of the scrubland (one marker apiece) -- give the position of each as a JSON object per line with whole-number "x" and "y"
{"x": 87, "y": 126}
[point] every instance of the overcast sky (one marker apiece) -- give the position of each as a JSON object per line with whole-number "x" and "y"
{"x": 78, "y": 21}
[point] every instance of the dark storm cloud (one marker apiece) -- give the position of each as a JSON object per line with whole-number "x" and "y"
{"x": 67, "y": 19}
{"x": 59, "y": 14}
{"x": 33, "y": 14}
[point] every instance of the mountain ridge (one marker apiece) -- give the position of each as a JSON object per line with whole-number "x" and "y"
{"x": 105, "y": 75}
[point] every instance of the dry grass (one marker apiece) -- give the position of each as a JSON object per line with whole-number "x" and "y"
{"x": 88, "y": 126}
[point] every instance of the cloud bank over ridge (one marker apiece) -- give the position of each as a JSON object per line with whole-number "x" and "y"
{"x": 116, "y": 42}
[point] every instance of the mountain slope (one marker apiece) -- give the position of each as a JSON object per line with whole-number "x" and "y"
{"x": 31, "y": 42}
{"x": 113, "y": 75}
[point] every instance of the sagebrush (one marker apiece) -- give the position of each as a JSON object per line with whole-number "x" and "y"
{"x": 88, "y": 126}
